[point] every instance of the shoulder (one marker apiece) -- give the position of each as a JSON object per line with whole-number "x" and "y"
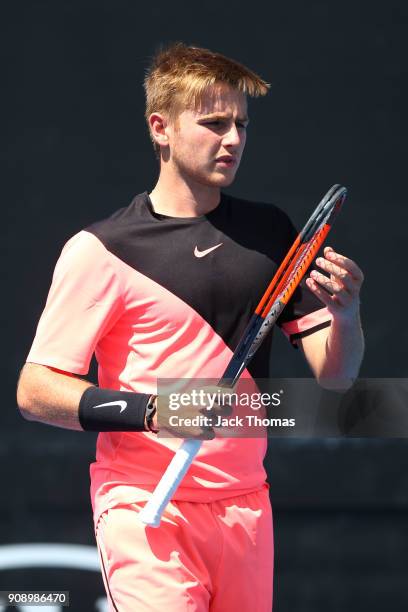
{"x": 259, "y": 215}
{"x": 93, "y": 244}
{"x": 112, "y": 228}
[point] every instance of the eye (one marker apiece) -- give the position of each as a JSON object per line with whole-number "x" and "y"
{"x": 241, "y": 125}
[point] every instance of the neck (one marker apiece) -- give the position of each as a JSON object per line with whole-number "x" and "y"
{"x": 178, "y": 197}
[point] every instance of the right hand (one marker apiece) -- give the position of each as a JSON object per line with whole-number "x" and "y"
{"x": 195, "y": 416}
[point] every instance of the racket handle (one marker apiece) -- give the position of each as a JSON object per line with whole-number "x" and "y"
{"x": 169, "y": 482}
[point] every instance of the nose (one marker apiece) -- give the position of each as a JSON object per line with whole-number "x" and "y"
{"x": 233, "y": 137}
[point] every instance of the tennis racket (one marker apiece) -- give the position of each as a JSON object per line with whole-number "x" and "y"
{"x": 274, "y": 300}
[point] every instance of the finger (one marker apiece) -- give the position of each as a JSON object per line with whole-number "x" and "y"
{"x": 215, "y": 396}
{"x": 217, "y": 410}
{"x": 318, "y": 292}
{"x": 341, "y": 275}
{"x": 207, "y": 433}
{"x": 333, "y": 302}
{"x": 344, "y": 262}
{"x": 222, "y": 401}
{"x": 225, "y": 410}
{"x": 330, "y": 284}
{"x": 331, "y": 267}
{"x": 225, "y": 396}
{"x": 338, "y": 293}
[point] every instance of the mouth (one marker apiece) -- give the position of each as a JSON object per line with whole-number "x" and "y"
{"x": 228, "y": 161}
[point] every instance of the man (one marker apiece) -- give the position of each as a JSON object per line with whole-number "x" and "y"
{"x": 164, "y": 289}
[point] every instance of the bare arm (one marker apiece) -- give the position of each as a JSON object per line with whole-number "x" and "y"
{"x": 50, "y": 397}
{"x": 335, "y": 353}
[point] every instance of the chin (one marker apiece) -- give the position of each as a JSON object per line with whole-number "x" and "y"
{"x": 221, "y": 180}
{"x": 213, "y": 179}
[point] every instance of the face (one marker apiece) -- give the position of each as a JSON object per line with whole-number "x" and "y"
{"x": 206, "y": 144}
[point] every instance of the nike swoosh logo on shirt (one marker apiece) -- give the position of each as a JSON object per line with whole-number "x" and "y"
{"x": 198, "y": 253}
{"x": 122, "y": 405}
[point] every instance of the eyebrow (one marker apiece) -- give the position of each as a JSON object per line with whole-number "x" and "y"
{"x": 245, "y": 118}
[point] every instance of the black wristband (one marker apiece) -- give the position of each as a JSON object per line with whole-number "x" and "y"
{"x": 109, "y": 410}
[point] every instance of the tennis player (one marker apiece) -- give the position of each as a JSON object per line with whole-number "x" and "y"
{"x": 164, "y": 288}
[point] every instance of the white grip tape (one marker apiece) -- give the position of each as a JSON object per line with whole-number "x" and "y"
{"x": 174, "y": 474}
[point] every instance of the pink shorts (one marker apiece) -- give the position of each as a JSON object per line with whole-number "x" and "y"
{"x": 204, "y": 557}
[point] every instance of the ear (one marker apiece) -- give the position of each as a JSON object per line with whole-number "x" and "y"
{"x": 158, "y": 127}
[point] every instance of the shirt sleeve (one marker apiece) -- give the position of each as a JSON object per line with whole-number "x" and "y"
{"x": 305, "y": 313}
{"x": 84, "y": 302}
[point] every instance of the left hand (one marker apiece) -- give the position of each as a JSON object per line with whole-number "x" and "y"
{"x": 339, "y": 290}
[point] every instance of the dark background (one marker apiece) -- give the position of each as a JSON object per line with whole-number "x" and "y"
{"x": 75, "y": 148}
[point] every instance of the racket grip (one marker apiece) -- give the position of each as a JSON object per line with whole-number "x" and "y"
{"x": 169, "y": 482}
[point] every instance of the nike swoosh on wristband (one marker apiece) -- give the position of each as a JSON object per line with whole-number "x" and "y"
{"x": 122, "y": 405}
{"x": 198, "y": 253}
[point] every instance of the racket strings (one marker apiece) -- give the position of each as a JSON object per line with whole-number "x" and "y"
{"x": 292, "y": 276}
{"x": 277, "y": 279}
{"x": 291, "y": 279}
{"x": 302, "y": 265}
{"x": 296, "y": 256}
{"x": 282, "y": 282}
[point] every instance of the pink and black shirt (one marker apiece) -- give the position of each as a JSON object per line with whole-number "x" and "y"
{"x": 161, "y": 297}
